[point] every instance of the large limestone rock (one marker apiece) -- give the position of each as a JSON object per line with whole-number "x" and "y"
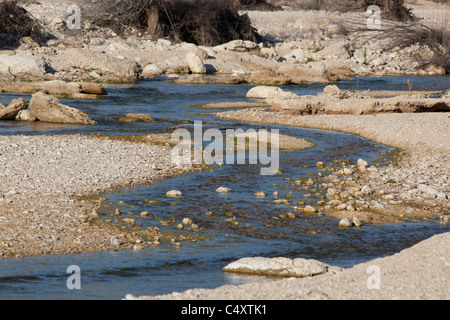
{"x": 151, "y": 71}
{"x": 313, "y": 72}
{"x": 335, "y": 101}
{"x": 238, "y": 46}
{"x": 279, "y": 267}
{"x": 11, "y": 111}
{"x": 195, "y": 63}
{"x": 108, "y": 67}
{"x": 48, "y": 109}
{"x": 56, "y": 87}
{"x": 335, "y": 50}
{"x": 269, "y": 92}
{"x": 21, "y": 66}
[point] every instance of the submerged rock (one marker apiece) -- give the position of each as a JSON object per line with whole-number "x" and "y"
{"x": 223, "y": 190}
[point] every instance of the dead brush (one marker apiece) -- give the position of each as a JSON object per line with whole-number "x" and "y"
{"x": 203, "y": 22}
{"x": 16, "y": 23}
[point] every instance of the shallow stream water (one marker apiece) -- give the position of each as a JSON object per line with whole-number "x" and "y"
{"x": 165, "y": 269}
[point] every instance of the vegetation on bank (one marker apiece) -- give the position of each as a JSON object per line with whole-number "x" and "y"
{"x": 203, "y": 22}
{"x": 16, "y": 23}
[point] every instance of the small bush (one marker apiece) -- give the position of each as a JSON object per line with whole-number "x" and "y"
{"x": 203, "y": 22}
{"x": 16, "y": 22}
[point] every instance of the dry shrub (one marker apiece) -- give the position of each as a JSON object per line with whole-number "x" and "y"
{"x": 258, "y": 5}
{"x": 16, "y": 22}
{"x": 203, "y": 22}
{"x": 435, "y": 38}
{"x": 395, "y": 35}
{"x": 391, "y": 9}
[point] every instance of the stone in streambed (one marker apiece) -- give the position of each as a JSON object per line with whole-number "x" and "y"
{"x": 345, "y": 223}
{"x": 10, "y": 112}
{"x": 48, "y": 109}
{"x": 223, "y": 190}
{"x": 174, "y": 193}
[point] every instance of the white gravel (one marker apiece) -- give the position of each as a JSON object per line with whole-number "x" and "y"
{"x": 42, "y": 178}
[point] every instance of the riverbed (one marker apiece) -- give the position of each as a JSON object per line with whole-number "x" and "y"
{"x": 259, "y": 230}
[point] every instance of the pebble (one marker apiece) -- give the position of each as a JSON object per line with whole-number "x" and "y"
{"x": 223, "y": 190}
{"x": 310, "y": 209}
{"x": 260, "y": 194}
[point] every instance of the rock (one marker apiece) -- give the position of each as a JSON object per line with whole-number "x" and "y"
{"x": 129, "y": 220}
{"x": 25, "y": 115}
{"x": 238, "y": 46}
{"x": 116, "y": 242}
{"x": 140, "y": 117}
{"x": 366, "y": 190}
{"x": 269, "y": 92}
{"x": 441, "y": 195}
{"x": 203, "y": 54}
{"x": 309, "y": 209}
{"x": 345, "y": 223}
{"x": 260, "y": 194}
{"x": 187, "y": 222}
{"x": 109, "y": 67}
{"x": 279, "y": 267}
{"x": 151, "y": 71}
{"x": 13, "y": 109}
{"x": 447, "y": 164}
{"x": 332, "y": 89}
{"x": 356, "y": 222}
{"x": 91, "y": 88}
{"x": 48, "y": 109}
{"x": 362, "y": 164}
{"x": 346, "y": 172}
{"x": 56, "y": 87}
{"x": 19, "y": 66}
{"x": 298, "y": 55}
{"x": 341, "y": 206}
{"x": 174, "y": 193}
{"x": 427, "y": 189}
{"x": 195, "y": 63}
{"x": 313, "y": 73}
{"x": 223, "y": 190}
{"x": 145, "y": 214}
{"x": 337, "y": 49}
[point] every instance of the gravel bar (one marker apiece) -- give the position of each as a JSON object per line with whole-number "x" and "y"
{"x": 43, "y": 182}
